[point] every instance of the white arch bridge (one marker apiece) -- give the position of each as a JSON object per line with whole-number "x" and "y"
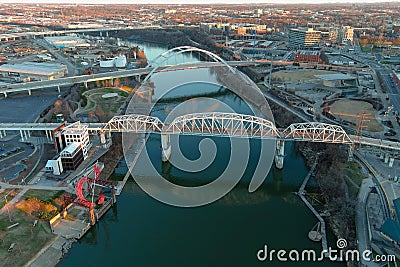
{"x": 212, "y": 124}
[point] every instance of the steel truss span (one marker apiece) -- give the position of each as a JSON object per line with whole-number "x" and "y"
{"x": 217, "y": 123}
{"x": 134, "y": 123}
{"x": 317, "y": 132}
{"x": 223, "y": 124}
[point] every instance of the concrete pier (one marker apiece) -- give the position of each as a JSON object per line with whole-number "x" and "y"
{"x": 166, "y": 147}
{"x": 280, "y": 154}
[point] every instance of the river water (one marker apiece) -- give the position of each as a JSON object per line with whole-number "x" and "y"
{"x": 141, "y": 231}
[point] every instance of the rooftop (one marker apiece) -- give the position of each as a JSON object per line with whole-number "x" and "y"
{"x": 32, "y": 68}
{"x": 71, "y": 148}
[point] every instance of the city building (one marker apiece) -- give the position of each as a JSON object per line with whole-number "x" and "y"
{"x": 391, "y": 227}
{"x": 345, "y": 35}
{"x": 72, "y": 156}
{"x": 54, "y": 165}
{"x": 74, "y": 133}
{"x": 304, "y": 38}
{"x": 307, "y": 56}
{"x": 34, "y": 70}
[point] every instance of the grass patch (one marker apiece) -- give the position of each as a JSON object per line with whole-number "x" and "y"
{"x": 353, "y": 171}
{"x": 44, "y": 195}
{"x": 28, "y": 239}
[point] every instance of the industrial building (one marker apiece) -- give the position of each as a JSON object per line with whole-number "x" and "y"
{"x": 338, "y": 80}
{"x": 62, "y": 42}
{"x": 118, "y": 62}
{"x": 304, "y": 38}
{"x": 34, "y": 70}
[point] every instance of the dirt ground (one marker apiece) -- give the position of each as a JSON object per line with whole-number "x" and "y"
{"x": 295, "y": 76}
{"x": 354, "y": 107}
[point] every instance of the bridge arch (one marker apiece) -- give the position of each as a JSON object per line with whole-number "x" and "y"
{"x": 223, "y": 124}
{"x": 317, "y": 132}
{"x": 157, "y": 62}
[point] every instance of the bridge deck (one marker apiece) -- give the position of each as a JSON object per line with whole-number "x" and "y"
{"x": 217, "y": 124}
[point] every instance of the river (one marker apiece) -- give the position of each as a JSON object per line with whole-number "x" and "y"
{"x": 141, "y": 231}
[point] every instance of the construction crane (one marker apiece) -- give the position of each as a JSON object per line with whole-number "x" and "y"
{"x": 362, "y": 119}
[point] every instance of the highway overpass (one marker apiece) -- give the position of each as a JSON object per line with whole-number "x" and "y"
{"x": 84, "y": 79}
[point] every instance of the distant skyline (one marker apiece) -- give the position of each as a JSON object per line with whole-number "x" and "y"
{"x": 193, "y": 1}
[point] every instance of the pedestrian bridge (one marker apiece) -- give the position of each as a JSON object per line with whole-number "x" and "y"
{"x": 215, "y": 124}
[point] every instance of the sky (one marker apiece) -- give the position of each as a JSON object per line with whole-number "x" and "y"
{"x": 191, "y": 1}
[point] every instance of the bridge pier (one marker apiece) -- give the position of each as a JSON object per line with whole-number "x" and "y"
{"x": 22, "y": 135}
{"x": 387, "y": 158}
{"x": 49, "y": 136}
{"x": 85, "y": 84}
{"x": 166, "y": 147}
{"x": 111, "y": 82}
{"x": 5, "y": 94}
{"x": 58, "y": 89}
{"x": 391, "y": 162}
{"x": 105, "y": 139}
{"x": 350, "y": 158}
{"x": 29, "y": 91}
{"x": 280, "y": 154}
{"x": 138, "y": 78}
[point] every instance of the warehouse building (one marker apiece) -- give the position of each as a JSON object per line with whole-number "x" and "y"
{"x": 62, "y": 42}
{"x": 34, "y": 70}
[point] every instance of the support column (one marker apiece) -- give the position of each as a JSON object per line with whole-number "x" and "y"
{"x": 22, "y": 135}
{"x": 166, "y": 147}
{"x": 391, "y": 162}
{"x": 112, "y": 82}
{"x": 5, "y": 94}
{"x": 1, "y": 134}
{"x": 58, "y": 89}
{"x": 85, "y": 84}
{"x": 386, "y": 158}
{"x": 350, "y": 158}
{"x": 280, "y": 154}
{"x": 29, "y": 91}
{"x": 103, "y": 141}
{"x": 47, "y": 135}
{"x": 4, "y": 133}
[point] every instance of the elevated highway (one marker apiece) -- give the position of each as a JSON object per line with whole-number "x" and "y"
{"x": 84, "y": 79}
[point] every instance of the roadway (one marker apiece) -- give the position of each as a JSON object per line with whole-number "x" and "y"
{"x": 12, "y": 36}
{"x": 72, "y": 70}
{"x": 68, "y": 81}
